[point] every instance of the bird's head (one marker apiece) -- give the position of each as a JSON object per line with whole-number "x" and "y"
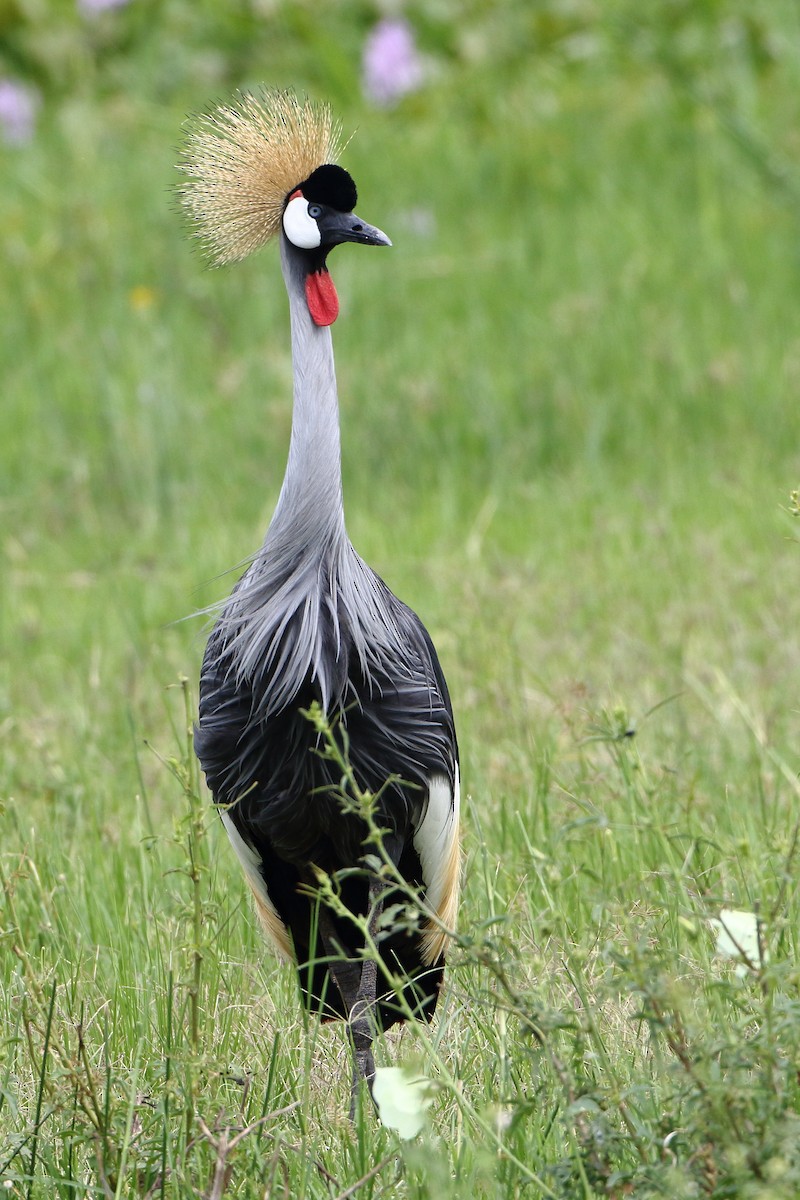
{"x": 318, "y": 216}
{"x": 263, "y": 165}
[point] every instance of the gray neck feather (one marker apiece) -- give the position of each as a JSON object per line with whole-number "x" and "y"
{"x": 310, "y": 507}
{"x": 308, "y": 604}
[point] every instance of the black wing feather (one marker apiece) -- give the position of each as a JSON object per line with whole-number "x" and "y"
{"x": 281, "y": 793}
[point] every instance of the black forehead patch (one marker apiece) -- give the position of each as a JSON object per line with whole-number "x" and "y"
{"x": 331, "y": 185}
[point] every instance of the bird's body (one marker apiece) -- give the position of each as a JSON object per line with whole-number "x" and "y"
{"x": 311, "y": 622}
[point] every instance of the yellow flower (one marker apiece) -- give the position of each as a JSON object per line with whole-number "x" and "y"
{"x": 142, "y": 297}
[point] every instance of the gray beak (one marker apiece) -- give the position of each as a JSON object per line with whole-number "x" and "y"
{"x": 336, "y": 227}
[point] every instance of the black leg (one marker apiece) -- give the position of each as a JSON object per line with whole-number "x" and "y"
{"x": 344, "y": 972}
{"x": 362, "y": 1029}
{"x": 357, "y": 985}
{"x": 362, "y": 1013}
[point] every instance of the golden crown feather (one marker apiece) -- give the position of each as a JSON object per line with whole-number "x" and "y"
{"x": 242, "y": 159}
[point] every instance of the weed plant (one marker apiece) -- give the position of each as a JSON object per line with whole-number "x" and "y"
{"x": 612, "y": 1055}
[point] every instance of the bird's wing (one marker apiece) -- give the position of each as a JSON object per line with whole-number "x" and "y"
{"x": 253, "y": 867}
{"x": 436, "y": 841}
{"x": 280, "y": 796}
{"x": 403, "y": 725}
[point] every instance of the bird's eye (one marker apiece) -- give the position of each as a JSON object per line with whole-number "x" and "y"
{"x": 314, "y": 211}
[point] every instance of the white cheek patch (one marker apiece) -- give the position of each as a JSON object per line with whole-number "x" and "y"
{"x": 301, "y": 229}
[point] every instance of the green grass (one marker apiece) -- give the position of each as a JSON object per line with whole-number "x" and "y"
{"x": 570, "y": 434}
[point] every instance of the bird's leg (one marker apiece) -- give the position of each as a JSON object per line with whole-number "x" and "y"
{"x": 358, "y": 987}
{"x": 344, "y": 972}
{"x": 362, "y": 1030}
{"x": 362, "y": 1013}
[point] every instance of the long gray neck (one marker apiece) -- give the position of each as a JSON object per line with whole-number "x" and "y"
{"x": 309, "y": 507}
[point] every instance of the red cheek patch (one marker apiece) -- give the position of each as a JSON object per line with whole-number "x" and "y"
{"x": 323, "y": 303}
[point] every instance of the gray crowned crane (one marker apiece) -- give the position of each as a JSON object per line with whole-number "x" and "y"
{"x": 309, "y": 621}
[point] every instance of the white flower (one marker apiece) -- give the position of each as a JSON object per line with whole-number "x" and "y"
{"x": 738, "y": 937}
{"x": 402, "y": 1100}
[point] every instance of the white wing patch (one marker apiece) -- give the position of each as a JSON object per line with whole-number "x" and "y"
{"x": 437, "y": 844}
{"x": 274, "y": 927}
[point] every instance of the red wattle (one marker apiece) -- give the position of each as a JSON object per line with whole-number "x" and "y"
{"x": 323, "y": 303}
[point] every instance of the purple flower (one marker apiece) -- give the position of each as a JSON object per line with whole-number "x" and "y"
{"x": 18, "y": 107}
{"x": 90, "y": 7}
{"x": 391, "y": 65}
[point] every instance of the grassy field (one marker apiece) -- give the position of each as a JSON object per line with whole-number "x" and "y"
{"x": 570, "y": 439}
